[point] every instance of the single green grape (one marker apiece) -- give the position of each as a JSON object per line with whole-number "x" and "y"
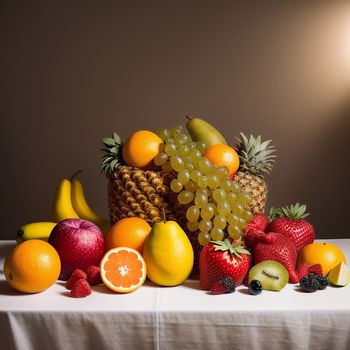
{"x": 183, "y": 150}
{"x": 241, "y": 223}
{"x": 170, "y": 149}
{"x": 247, "y": 215}
{"x": 190, "y": 167}
{"x": 234, "y": 231}
{"x": 201, "y": 146}
{"x": 176, "y": 186}
{"x": 244, "y": 198}
{"x": 202, "y": 182}
{"x": 203, "y": 238}
{"x": 192, "y": 213}
{"x": 204, "y": 164}
{"x": 231, "y": 197}
{"x": 222, "y": 172}
{"x": 177, "y": 130}
{"x": 223, "y": 208}
{"x": 200, "y": 200}
{"x": 192, "y": 226}
{"x": 219, "y": 195}
{"x": 195, "y": 175}
{"x": 232, "y": 219}
{"x": 191, "y": 186}
{"x": 166, "y": 167}
{"x": 185, "y": 197}
{"x": 235, "y": 187}
{"x": 225, "y": 184}
{"x": 184, "y": 176}
{"x": 191, "y": 145}
{"x": 195, "y": 155}
{"x": 213, "y": 181}
{"x": 216, "y": 234}
{"x": 180, "y": 139}
{"x": 177, "y": 163}
{"x": 205, "y": 225}
{"x": 160, "y": 159}
{"x": 220, "y": 221}
{"x": 237, "y": 208}
{"x": 208, "y": 211}
{"x": 163, "y": 133}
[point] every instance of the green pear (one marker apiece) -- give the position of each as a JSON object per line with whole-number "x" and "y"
{"x": 200, "y": 130}
{"x": 168, "y": 254}
{"x": 339, "y": 275}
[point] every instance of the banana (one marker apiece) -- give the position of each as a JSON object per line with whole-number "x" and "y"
{"x": 35, "y": 230}
{"x": 62, "y": 205}
{"x": 82, "y": 208}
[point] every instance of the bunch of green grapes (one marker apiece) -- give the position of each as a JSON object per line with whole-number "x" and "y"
{"x": 216, "y": 207}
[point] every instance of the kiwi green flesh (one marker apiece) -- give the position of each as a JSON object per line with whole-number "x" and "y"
{"x": 271, "y": 274}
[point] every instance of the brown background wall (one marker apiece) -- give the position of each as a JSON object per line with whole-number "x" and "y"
{"x": 73, "y": 73}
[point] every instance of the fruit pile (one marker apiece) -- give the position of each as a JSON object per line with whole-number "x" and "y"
{"x": 179, "y": 202}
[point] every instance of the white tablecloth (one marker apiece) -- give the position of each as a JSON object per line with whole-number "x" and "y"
{"x": 171, "y": 318}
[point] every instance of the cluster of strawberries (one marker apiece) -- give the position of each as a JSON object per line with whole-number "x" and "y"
{"x": 280, "y": 239}
{"x": 80, "y": 282}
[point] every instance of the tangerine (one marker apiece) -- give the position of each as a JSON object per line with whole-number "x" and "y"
{"x": 123, "y": 269}
{"x": 128, "y": 232}
{"x": 328, "y": 255}
{"x": 223, "y": 155}
{"x": 32, "y": 266}
{"x": 140, "y": 148}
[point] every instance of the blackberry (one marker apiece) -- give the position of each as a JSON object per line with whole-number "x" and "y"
{"x": 322, "y": 281}
{"x": 229, "y": 283}
{"x": 309, "y": 284}
{"x": 255, "y": 287}
{"x": 224, "y": 285}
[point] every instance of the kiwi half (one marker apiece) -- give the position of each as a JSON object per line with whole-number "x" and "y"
{"x": 271, "y": 274}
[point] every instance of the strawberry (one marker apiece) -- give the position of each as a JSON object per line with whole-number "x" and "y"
{"x": 80, "y": 289}
{"x": 277, "y": 247}
{"x": 93, "y": 275}
{"x": 290, "y": 222}
{"x": 75, "y": 276}
{"x": 224, "y": 285}
{"x": 259, "y": 222}
{"x": 219, "y": 259}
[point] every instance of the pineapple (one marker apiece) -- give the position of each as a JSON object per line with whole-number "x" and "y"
{"x": 256, "y": 160}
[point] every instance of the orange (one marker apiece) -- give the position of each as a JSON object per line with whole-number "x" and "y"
{"x": 326, "y": 254}
{"x": 32, "y": 266}
{"x": 128, "y": 232}
{"x": 140, "y": 148}
{"x": 223, "y": 155}
{"x": 123, "y": 269}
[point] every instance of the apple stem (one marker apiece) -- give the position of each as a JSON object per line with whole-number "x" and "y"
{"x": 188, "y": 117}
{"x": 164, "y": 216}
{"x": 75, "y": 174}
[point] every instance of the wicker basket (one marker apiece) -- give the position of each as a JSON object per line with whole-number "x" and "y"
{"x": 135, "y": 192}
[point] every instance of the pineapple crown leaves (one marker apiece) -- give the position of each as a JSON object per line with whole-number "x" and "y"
{"x": 235, "y": 248}
{"x": 256, "y": 156}
{"x": 112, "y": 147}
{"x": 294, "y": 212}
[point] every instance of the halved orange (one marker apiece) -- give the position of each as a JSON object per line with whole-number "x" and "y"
{"x": 123, "y": 269}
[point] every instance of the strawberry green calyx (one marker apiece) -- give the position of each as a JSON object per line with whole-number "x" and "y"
{"x": 293, "y": 212}
{"x": 235, "y": 248}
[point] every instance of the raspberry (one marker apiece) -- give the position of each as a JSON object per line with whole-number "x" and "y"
{"x": 224, "y": 285}
{"x": 93, "y": 275}
{"x": 75, "y": 276}
{"x": 316, "y": 269}
{"x": 80, "y": 289}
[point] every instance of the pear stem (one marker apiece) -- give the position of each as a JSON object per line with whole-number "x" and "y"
{"x": 164, "y": 216}
{"x": 188, "y": 117}
{"x": 75, "y": 174}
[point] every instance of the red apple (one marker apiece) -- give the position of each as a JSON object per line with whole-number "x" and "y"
{"x": 79, "y": 243}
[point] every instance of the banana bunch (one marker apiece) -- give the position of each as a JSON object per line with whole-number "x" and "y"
{"x": 69, "y": 202}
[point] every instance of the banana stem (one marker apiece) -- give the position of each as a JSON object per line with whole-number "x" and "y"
{"x": 75, "y": 174}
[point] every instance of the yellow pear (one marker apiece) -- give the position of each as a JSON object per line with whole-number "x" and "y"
{"x": 168, "y": 254}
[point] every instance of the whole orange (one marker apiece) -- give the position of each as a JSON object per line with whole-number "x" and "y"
{"x": 223, "y": 155}
{"x": 128, "y": 232}
{"x": 32, "y": 266}
{"x": 140, "y": 148}
{"x": 324, "y": 253}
